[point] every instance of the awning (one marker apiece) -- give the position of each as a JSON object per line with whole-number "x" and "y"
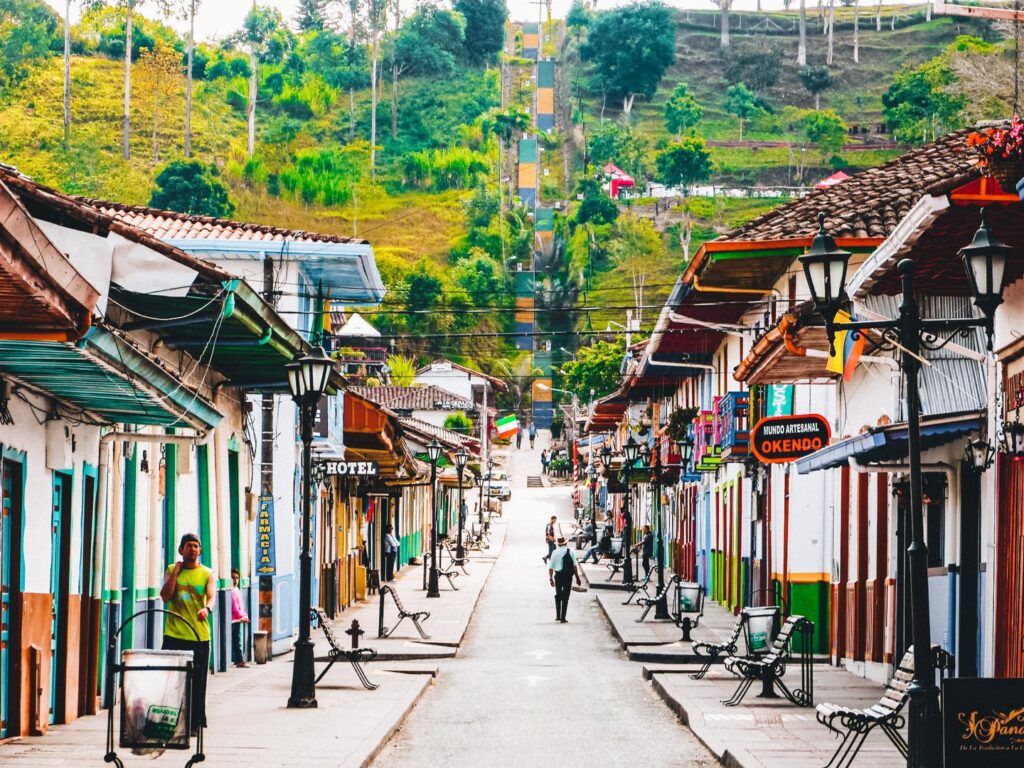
{"x": 890, "y": 443}
{"x": 107, "y": 376}
{"x": 370, "y": 434}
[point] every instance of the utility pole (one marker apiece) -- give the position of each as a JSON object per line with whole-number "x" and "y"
{"x": 266, "y": 582}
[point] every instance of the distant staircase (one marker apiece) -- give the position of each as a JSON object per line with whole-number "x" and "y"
{"x": 534, "y": 481}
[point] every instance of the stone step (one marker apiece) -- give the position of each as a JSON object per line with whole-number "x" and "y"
{"x": 534, "y": 481}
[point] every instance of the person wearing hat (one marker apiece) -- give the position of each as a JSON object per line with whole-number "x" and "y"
{"x": 561, "y": 570}
{"x": 188, "y": 592}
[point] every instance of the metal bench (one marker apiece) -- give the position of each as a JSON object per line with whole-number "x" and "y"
{"x": 616, "y": 557}
{"x": 714, "y": 651}
{"x": 458, "y": 562}
{"x": 355, "y": 656}
{"x": 854, "y": 725}
{"x": 770, "y": 668}
{"x": 414, "y": 616}
{"x": 649, "y": 602}
{"x": 639, "y": 587}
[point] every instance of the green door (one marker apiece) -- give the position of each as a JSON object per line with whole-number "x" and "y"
{"x": 60, "y": 558}
{"x": 11, "y": 487}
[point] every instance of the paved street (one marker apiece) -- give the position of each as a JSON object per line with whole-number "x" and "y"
{"x": 525, "y": 691}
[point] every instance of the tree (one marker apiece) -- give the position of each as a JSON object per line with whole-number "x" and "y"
{"x": 741, "y": 102}
{"x": 159, "y": 80}
{"x": 595, "y": 368}
{"x": 725, "y": 5}
{"x": 311, "y": 15}
{"x": 619, "y": 144}
{"x": 376, "y": 22}
{"x": 459, "y": 422}
{"x": 595, "y": 206}
{"x": 637, "y": 250}
{"x": 188, "y": 186}
{"x": 485, "y": 28}
{"x": 257, "y": 29}
{"x": 631, "y": 47}
{"x": 191, "y": 6}
{"x": 67, "y": 73}
{"x": 801, "y": 50}
{"x": 682, "y": 111}
{"x": 508, "y": 126}
{"x": 129, "y": 7}
{"x": 816, "y": 79}
{"x": 825, "y": 130}
{"x": 918, "y": 104}
{"x": 578, "y": 18}
{"x": 428, "y": 43}
{"x": 757, "y": 67}
{"x": 685, "y": 162}
{"x": 402, "y": 371}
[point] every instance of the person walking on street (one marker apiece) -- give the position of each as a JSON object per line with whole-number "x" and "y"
{"x": 188, "y": 592}
{"x": 544, "y": 462}
{"x": 561, "y": 571}
{"x": 519, "y": 439}
{"x": 646, "y": 547}
{"x": 533, "y": 433}
{"x": 391, "y": 546}
{"x": 239, "y": 619}
{"x": 549, "y": 536}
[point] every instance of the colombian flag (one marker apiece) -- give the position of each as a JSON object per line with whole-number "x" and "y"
{"x": 849, "y": 346}
{"x": 507, "y": 426}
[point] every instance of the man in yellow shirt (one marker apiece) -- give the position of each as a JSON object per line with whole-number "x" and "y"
{"x": 188, "y": 591}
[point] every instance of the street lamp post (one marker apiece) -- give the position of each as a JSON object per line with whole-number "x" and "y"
{"x": 984, "y": 261}
{"x": 307, "y": 379}
{"x": 661, "y": 606}
{"x": 479, "y": 480}
{"x": 434, "y": 454}
{"x": 461, "y": 457}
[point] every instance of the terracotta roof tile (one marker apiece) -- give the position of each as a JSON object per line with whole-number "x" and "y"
{"x": 171, "y": 225}
{"x": 872, "y": 202}
{"x": 430, "y": 398}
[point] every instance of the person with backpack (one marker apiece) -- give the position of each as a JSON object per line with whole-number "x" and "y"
{"x": 561, "y": 571}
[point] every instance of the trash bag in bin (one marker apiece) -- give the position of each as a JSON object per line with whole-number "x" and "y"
{"x": 155, "y": 690}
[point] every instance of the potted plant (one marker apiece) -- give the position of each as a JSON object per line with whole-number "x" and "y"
{"x": 1000, "y": 152}
{"x": 679, "y": 422}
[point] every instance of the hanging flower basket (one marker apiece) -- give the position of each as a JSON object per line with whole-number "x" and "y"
{"x": 1000, "y": 152}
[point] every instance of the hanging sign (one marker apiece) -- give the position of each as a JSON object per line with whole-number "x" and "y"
{"x": 983, "y": 722}
{"x": 779, "y": 400}
{"x": 350, "y": 468}
{"x": 782, "y": 439}
{"x": 266, "y": 563}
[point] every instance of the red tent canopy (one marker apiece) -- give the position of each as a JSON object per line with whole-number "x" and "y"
{"x": 619, "y": 179}
{"x": 829, "y": 181}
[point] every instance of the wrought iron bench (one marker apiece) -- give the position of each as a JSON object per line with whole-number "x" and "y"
{"x": 714, "y": 651}
{"x": 415, "y": 616}
{"x": 355, "y": 656}
{"x": 616, "y": 557}
{"x": 649, "y": 602}
{"x": 639, "y": 587}
{"x": 854, "y": 725}
{"x": 758, "y": 624}
{"x": 456, "y": 561}
{"x": 769, "y": 669}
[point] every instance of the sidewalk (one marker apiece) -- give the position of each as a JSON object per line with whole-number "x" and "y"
{"x": 249, "y": 723}
{"x": 759, "y": 733}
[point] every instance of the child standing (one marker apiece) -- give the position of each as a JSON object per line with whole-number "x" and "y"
{"x": 238, "y": 618}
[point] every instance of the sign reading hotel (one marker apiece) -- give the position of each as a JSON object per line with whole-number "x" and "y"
{"x": 351, "y": 468}
{"x": 782, "y": 439}
{"x": 266, "y": 563}
{"x": 983, "y": 722}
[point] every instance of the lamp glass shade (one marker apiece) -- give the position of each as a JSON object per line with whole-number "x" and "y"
{"x": 434, "y": 451}
{"x": 979, "y": 453}
{"x": 761, "y": 625}
{"x": 685, "y": 450}
{"x": 461, "y": 457}
{"x": 296, "y": 383}
{"x": 645, "y": 454}
{"x": 631, "y": 450}
{"x": 606, "y": 455}
{"x": 690, "y": 597}
{"x": 985, "y": 264}
{"x": 316, "y": 371}
{"x": 825, "y": 270}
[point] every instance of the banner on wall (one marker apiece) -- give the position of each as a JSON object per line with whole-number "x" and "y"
{"x": 779, "y": 400}
{"x": 983, "y": 722}
{"x": 266, "y": 561}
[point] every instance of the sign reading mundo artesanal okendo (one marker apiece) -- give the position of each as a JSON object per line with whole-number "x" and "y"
{"x": 781, "y": 439}
{"x": 983, "y": 722}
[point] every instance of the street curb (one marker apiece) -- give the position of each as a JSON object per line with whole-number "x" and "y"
{"x": 395, "y": 725}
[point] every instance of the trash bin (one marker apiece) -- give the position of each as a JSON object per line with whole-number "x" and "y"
{"x": 155, "y": 689}
{"x": 261, "y": 647}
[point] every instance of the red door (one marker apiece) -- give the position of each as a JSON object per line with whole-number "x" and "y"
{"x": 1009, "y": 660}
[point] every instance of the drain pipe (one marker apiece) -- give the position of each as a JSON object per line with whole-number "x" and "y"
{"x": 109, "y": 542}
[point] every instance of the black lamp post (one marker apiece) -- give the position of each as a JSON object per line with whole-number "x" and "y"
{"x": 461, "y": 457}
{"x": 433, "y": 453}
{"x": 631, "y": 452}
{"x": 592, "y": 477}
{"x": 984, "y": 262}
{"x": 307, "y": 379}
{"x": 479, "y": 480}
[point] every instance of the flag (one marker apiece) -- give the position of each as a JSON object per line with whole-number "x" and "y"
{"x": 848, "y": 348}
{"x": 369, "y": 510}
{"x": 507, "y": 426}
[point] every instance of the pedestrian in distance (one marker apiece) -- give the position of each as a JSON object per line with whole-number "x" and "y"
{"x": 533, "y": 434}
{"x": 561, "y": 571}
{"x": 646, "y": 547}
{"x": 188, "y": 592}
{"x": 544, "y": 461}
{"x": 519, "y": 439}
{"x": 239, "y": 620}
{"x": 391, "y": 547}
{"x": 549, "y": 536}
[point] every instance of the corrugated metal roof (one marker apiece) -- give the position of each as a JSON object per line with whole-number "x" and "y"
{"x": 953, "y": 383}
